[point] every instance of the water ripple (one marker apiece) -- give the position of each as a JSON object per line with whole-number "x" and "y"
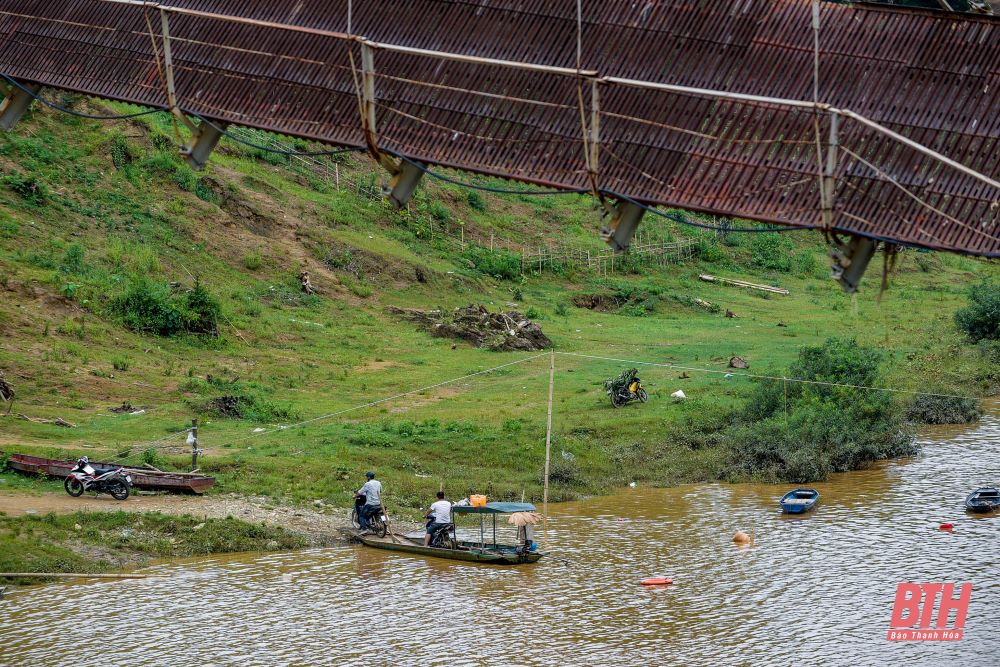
{"x": 811, "y": 589}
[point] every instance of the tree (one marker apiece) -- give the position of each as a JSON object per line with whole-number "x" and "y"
{"x": 801, "y": 431}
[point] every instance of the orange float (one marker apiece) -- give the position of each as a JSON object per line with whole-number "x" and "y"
{"x": 656, "y": 581}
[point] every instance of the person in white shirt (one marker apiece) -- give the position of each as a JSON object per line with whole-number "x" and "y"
{"x": 372, "y": 494}
{"x": 439, "y": 516}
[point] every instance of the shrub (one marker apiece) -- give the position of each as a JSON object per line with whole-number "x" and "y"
{"x": 981, "y": 318}
{"x": 146, "y": 307}
{"x": 512, "y": 426}
{"x": 771, "y": 251}
{"x": 800, "y": 432}
{"x": 927, "y": 409}
{"x": 246, "y": 402}
{"x": 30, "y": 189}
{"x": 562, "y": 471}
{"x": 185, "y": 177}
{"x": 501, "y": 264}
{"x": 439, "y": 211}
{"x": 72, "y": 261}
{"x": 201, "y": 312}
{"x": 150, "y": 307}
{"x": 476, "y": 201}
{"x": 121, "y": 152}
{"x": 8, "y": 227}
{"x": 708, "y": 249}
{"x": 252, "y": 261}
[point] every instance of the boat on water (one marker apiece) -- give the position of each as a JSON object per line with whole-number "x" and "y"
{"x": 798, "y": 501}
{"x": 142, "y": 478}
{"x": 983, "y": 499}
{"x": 484, "y": 550}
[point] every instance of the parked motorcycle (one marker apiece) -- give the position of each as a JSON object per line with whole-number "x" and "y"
{"x": 83, "y": 477}
{"x": 625, "y": 394}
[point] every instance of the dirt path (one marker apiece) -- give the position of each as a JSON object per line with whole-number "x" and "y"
{"x": 320, "y": 524}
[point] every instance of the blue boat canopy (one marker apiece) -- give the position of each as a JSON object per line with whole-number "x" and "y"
{"x": 494, "y": 508}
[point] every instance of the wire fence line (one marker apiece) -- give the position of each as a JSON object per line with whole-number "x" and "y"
{"x": 778, "y": 378}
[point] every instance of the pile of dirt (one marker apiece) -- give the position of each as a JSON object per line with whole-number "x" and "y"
{"x": 495, "y": 331}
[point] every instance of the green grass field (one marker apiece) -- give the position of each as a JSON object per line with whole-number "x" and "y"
{"x": 87, "y": 209}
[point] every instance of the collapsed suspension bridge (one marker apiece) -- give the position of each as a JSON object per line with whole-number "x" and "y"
{"x": 870, "y": 123}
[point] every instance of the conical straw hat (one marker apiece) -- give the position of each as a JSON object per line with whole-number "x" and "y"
{"x": 524, "y": 518}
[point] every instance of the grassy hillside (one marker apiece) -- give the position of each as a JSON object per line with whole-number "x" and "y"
{"x": 103, "y": 228}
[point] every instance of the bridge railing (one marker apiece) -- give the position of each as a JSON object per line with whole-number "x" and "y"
{"x": 679, "y": 118}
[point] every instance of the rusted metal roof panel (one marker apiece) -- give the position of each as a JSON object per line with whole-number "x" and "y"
{"x": 939, "y": 85}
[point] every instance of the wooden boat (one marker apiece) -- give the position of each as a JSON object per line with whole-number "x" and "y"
{"x": 142, "y": 478}
{"x": 983, "y": 499}
{"x": 798, "y": 501}
{"x": 482, "y": 551}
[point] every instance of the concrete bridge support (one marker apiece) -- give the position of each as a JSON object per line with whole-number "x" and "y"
{"x": 625, "y": 217}
{"x": 15, "y": 104}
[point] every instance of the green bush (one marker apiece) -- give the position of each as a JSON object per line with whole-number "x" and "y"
{"x": 30, "y": 189}
{"x": 245, "y": 401}
{"x": 121, "y": 152}
{"x": 476, "y": 201}
{"x": 771, "y": 251}
{"x": 253, "y": 261}
{"x": 708, "y": 249}
{"x": 926, "y": 409}
{"x": 8, "y": 227}
{"x": 439, "y": 211}
{"x": 980, "y": 320}
{"x": 72, "y": 261}
{"x": 799, "y": 432}
{"x": 501, "y": 264}
{"x": 562, "y": 471}
{"x": 201, "y": 311}
{"x": 150, "y": 307}
{"x": 147, "y": 307}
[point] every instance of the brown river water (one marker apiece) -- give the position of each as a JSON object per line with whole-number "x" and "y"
{"x": 812, "y": 590}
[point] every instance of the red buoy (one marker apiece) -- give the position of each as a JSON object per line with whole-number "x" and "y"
{"x": 656, "y": 581}
{"x": 947, "y": 526}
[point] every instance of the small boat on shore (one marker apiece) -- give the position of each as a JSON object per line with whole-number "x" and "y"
{"x": 798, "y": 501}
{"x": 142, "y": 478}
{"x": 983, "y": 499}
{"x": 481, "y": 551}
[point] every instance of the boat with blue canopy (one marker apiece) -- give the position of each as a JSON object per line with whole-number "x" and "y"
{"x": 464, "y": 546}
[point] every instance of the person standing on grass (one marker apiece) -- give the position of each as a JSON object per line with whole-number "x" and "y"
{"x": 371, "y": 492}
{"x": 439, "y": 515}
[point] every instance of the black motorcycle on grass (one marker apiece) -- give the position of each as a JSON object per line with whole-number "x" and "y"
{"x": 625, "y": 388}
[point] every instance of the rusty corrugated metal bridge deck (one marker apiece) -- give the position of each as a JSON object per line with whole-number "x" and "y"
{"x": 708, "y": 106}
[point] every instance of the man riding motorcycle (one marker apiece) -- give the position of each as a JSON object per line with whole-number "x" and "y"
{"x": 438, "y": 519}
{"x": 371, "y": 495}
